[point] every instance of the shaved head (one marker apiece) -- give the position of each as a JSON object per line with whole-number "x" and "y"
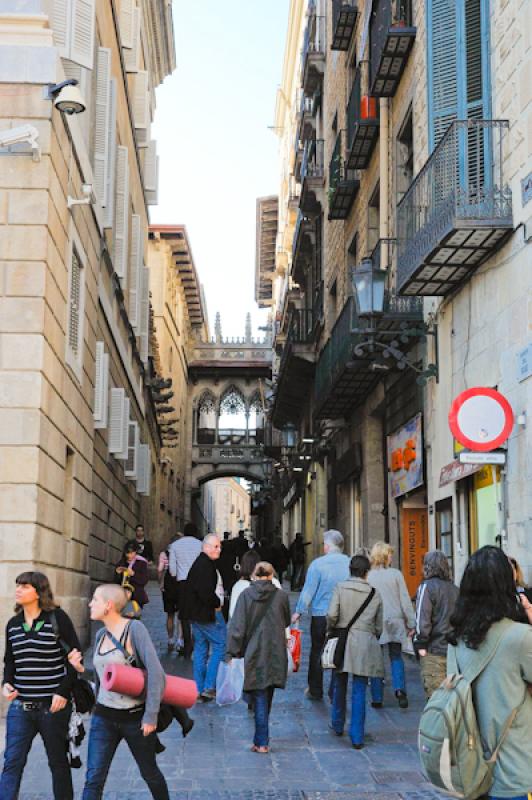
{"x": 112, "y": 593}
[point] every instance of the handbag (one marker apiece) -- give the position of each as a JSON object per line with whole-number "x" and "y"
{"x": 334, "y": 651}
{"x": 82, "y": 692}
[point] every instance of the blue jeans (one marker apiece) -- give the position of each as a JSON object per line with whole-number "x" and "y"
{"x": 208, "y": 636}
{"x": 263, "y": 703}
{"x": 517, "y": 797}
{"x": 105, "y": 736}
{"x": 398, "y": 674}
{"x": 22, "y": 728}
{"x": 358, "y": 705}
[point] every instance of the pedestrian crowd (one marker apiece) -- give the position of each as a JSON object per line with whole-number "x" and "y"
{"x": 225, "y": 605}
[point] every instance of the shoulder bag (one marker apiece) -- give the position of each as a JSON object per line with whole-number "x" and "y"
{"x": 334, "y": 651}
{"x": 82, "y": 693}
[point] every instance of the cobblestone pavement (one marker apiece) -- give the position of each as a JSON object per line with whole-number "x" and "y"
{"x": 306, "y": 762}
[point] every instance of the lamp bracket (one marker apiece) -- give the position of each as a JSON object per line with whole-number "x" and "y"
{"x": 390, "y": 350}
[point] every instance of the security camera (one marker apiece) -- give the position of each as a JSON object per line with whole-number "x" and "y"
{"x": 22, "y": 134}
{"x": 67, "y": 97}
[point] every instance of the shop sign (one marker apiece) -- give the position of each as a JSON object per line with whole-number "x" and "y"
{"x": 524, "y": 363}
{"x": 466, "y": 457}
{"x": 481, "y": 419}
{"x": 455, "y": 472}
{"x": 405, "y": 457}
{"x": 415, "y": 543}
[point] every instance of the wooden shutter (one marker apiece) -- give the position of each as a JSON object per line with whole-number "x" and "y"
{"x": 150, "y": 167}
{"x": 141, "y": 99}
{"x": 116, "y": 422}
{"x": 102, "y": 123}
{"x": 109, "y": 213}
{"x": 59, "y": 16}
{"x": 132, "y": 56}
{"x": 101, "y": 387}
{"x": 443, "y": 67}
{"x": 121, "y": 231}
{"x": 144, "y": 331}
{"x": 130, "y": 467}
{"x": 127, "y": 8}
{"x": 83, "y": 19}
{"x": 135, "y": 267}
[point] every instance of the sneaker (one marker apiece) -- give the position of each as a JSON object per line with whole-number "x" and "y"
{"x": 357, "y": 746}
{"x": 402, "y": 699}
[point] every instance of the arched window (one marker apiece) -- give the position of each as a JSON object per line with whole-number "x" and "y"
{"x": 232, "y": 417}
{"x": 206, "y": 418}
{"x": 256, "y": 420}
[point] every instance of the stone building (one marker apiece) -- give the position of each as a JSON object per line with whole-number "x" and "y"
{"x": 226, "y": 507}
{"x": 79, "y": 435}
{"x": 394, "y": 208}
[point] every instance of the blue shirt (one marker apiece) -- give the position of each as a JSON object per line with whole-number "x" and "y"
{"x": 322, "y": 576}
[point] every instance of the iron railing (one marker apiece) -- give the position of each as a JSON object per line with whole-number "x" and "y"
{"x": 335, "y": 166}
{"x": 386, "y": 14}
{"x": 313, "y": 159}
{"x": 298, "y": 230}
{"x": 336, "y": 353}
{"x": 301, "y": 325}
{"x": 462, "y": 181}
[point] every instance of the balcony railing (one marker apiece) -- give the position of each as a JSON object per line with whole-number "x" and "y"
{"x": 344, "y": 19}
{"x": 343, "y": 184}
{"x": 391, "y": 40}
{"x": 362, "y": 122}
{"x": 457, "y": 211}
{"x": 313, "y": 52}
{"x": 312, "y": 175}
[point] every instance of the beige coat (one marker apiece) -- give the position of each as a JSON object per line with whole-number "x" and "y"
{"x": 398, "y": 609}
{"x": 363, "y": 655}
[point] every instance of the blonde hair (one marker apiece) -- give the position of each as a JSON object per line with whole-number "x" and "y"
{"x": 112, "y": 593}
{"x": 263, "y": 570}
{"x": 380, "y": 554}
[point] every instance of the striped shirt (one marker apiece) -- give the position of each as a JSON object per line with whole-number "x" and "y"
{"x": 35, "y": 662}
{"x": 182, "y": 555}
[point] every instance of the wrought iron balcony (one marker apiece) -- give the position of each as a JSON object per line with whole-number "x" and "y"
{"x": 296, "y": 369}
{"x": 391, "y": 39}
{"x": 343, "y": 184}
{"x": 344, "y": 19}
{"x": 362, "y": 122}
{"x": 308, "y": 108}
{"x": 312, "y": 175}
{"x": 457, "y": 211}
{"x": 313, "y": 52}
{"x": 343, "y": 378}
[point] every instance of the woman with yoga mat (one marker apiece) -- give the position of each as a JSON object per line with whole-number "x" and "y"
{"x": 117, "y": 716}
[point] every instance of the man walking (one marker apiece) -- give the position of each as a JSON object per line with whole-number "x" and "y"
{"x": 145, "y": 547}
{"x": 297, "y": 557}
{"x": 181, "y": 555}
{"x": 322, "y": 576}
{"x": 205, "y": 600}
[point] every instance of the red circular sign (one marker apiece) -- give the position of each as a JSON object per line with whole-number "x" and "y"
{"x": 481, "y": 419}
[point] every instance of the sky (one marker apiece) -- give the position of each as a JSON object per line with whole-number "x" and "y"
{"x": 217, "y": 154}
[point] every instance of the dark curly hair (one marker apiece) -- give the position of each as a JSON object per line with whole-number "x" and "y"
{"x": 487, "y": 595}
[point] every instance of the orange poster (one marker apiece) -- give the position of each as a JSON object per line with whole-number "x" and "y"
{"x": 414, "y": 545}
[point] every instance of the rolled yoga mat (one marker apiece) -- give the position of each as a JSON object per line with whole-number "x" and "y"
{"x": 130, "y": 681}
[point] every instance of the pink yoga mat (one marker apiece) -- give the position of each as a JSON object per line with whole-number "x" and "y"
{"x": 130, "y": 680}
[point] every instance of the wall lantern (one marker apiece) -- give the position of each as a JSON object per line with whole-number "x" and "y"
{"x": 369, "y": 286}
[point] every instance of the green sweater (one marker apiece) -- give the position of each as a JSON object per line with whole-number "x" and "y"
{"x": 499, "y": 689}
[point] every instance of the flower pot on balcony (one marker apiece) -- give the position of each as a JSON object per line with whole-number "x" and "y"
{"x": 368, "y": 107}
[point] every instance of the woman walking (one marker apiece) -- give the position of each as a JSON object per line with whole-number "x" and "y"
{"x": 363, "y": 655}
{"x": 399, "y": 620}
{"x": 257, "y": 633}
{"x": 37, "y": 682}
{"x": 436, "y": 599}
{"x": 116, "y": 716}
{"x": 489, "y": 623}
{"x": 133, "y": 571}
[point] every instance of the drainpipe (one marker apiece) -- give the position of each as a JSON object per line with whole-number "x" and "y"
{"x": 384, "y": 228}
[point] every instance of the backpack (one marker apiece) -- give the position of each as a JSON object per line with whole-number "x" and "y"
{"x": 450, "y": 745}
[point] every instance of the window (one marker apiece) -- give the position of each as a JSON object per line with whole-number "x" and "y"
{"x": 75, "y": 306}
{"x": 352, "y": 255}
{"x": 405, "y": 157}
{"x": 68, "y": 502}
{"x": 374, "y": 220}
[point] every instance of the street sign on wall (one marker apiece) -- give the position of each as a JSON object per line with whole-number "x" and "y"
{"x": 481, "y": 419}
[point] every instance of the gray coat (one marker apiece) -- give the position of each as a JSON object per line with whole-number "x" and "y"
{"x": 262, "y": 646}
{"x": 398, "y": 609}
{"x": 363, "y": 655}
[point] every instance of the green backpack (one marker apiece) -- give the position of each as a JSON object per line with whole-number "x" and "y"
{"x": 450, "y": 746}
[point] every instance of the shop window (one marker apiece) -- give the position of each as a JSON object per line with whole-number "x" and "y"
{"x": 444, "y": 529}
{"x": 485, "y": 508}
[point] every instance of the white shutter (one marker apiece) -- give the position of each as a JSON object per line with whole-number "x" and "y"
{"x": 144, "y": 331}
{"x": 116, "y": 422}
{"x": 109, "y": 213}
{"x": 150, "y": 167}
{"x": 101, "y": 122}
{"x": 152, "y": 198}
{"x": 130, "y": 467}
{"x": 126, "y": 22}
{"x": 141, "y": 99}
{"x": 143, "y": 136}
{"x": 83, "y": 19}
{"x": 59, "y": 20}
{"x": 101, "y": 387}
{"x": 122, "y": 213}
{"x": 132, "y": 56}
{"x": 147, "y": 485}
{"x": 135, "y": 266}
{"x": 122, "y": 454}
{"x": 144, "y": 470}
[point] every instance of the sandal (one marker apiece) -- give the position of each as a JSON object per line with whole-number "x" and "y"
{"x": 256, "y": 749}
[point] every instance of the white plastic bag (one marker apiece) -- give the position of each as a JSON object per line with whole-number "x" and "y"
{"x": 230, "y": 682}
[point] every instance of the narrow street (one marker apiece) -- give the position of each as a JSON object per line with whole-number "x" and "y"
{"x": 307, "y": 762}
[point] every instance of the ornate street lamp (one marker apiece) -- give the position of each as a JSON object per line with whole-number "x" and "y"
{"x": 369, "y": 288}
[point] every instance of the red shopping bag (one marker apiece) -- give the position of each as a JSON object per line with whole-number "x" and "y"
{"x": 294, "y": 647}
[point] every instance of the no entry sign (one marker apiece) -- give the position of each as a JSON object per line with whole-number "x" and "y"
{"x": 481, "y": 419}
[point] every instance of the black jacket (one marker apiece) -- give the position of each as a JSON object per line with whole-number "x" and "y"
{"x": 435, "y": 603}
{"x": 201, "y": 598}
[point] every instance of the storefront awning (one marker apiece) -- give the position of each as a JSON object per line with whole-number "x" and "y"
{"x": 455, "y": 472}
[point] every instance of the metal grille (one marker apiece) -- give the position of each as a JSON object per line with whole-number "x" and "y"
{"x": 74, "y": 311}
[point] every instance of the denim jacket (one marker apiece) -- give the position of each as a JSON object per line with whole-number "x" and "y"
{"x": 322, "y": 576}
